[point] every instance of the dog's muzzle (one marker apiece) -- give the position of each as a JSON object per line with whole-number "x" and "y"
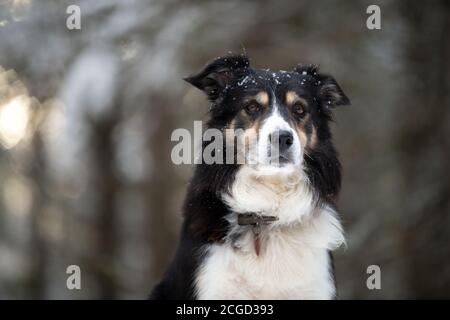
{"x": 281, "y": 143}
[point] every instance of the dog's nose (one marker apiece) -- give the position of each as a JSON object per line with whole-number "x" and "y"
{"x": 285, "y": 139}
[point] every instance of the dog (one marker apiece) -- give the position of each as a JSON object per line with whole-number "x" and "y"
{"x": 262, "y": 229}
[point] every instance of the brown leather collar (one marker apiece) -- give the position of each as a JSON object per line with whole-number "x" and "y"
{"x": 253, "y": 219}
{"x": 256, "y": 221}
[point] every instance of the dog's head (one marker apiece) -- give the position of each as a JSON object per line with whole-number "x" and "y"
{"x": 284, "y": 114}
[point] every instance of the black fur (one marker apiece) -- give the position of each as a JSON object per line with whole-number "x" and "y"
{"x": 203, "y": 209}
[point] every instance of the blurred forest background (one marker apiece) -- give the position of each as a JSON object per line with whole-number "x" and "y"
{"x": 86, "y": 117}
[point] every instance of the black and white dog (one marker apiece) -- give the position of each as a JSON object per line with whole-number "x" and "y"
{"x": 262, "y": 229}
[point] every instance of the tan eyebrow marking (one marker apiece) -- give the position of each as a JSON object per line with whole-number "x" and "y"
{"x": 313, "y": 138}
{"x": 262, "y": 98}
{"x": 292, "y": 97}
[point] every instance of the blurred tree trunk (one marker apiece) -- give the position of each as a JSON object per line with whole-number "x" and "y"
{"x": 160, "y": 220}
{"x": 424, "y": 148}
{"x": 106, "y": 186}
{"x": 39, "y": 251}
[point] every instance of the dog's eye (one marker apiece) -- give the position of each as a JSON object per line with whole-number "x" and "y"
{"x": 299, "y": 110}
{"x": 252, "y": 108}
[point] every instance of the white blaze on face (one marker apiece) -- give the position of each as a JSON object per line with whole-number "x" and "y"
{"x": 268, "y": 148}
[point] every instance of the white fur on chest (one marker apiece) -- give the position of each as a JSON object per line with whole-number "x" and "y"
{"x": 294, "y": 261}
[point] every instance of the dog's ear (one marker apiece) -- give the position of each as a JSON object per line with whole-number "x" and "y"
{"x": 219, "y": 73}
{"x": 329, "y": 91}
